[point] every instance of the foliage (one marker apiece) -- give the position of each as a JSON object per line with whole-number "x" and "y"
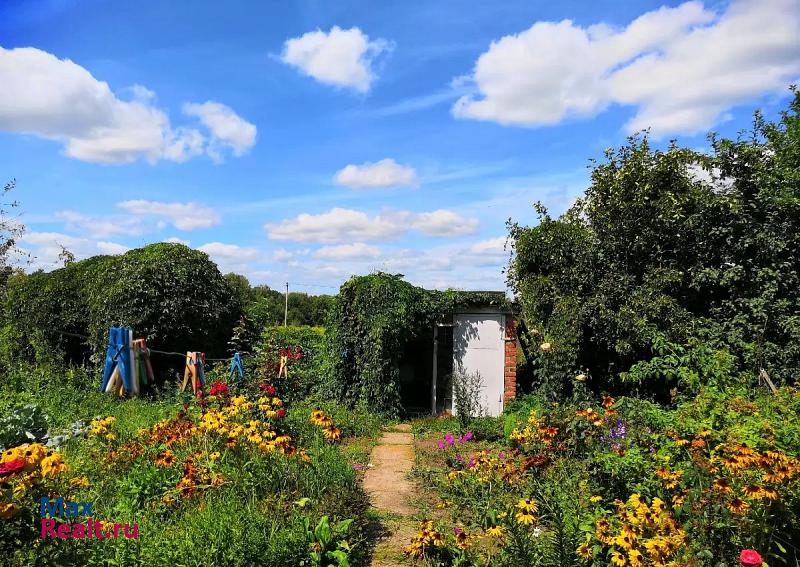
{"x": 625, "y": 482}
{"x": 168, "y": 293}
{"x": 373, "y": 318}
{"x": 304, "y": 348}
{"x": 467, "y": 395}
{"x": 223, "y": 479}
{"x": 22, "y": 424}
{"x": 666, "y": 249}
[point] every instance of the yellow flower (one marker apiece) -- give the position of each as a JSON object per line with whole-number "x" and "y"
{"x": 495, "y": 531}
{"x": 53, "y": 465}
{"x": 546, "y": 347}
{"x": 214, "y": 456}
{"x": 635, "y": 558}
{"x": 79, "y": 482}
{"x": 524, "y": 518}
{"x": 617, "y": 558}
{"x": 527, "y": 505}
{"x": 584, "y": 551}
{"x": 596, "y": 499}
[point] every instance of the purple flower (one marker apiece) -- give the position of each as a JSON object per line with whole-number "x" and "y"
{"x": 358, "y": 466}
{"x": 501, "y": 455}
{"x": 457, "y": 530}
{"x": 449, "y": 438}
{"x": 466, "y": 437}
{"x": 618, "y": 431}
{"x": 459, "y": 458}
{"x": 471, "y": 463}
{"x": 441, "y": 444}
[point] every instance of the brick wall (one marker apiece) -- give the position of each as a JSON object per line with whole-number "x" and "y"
{"x": 510, "y": 366}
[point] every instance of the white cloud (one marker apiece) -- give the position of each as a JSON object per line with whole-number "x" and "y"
{"x": 230, "y": 252}
{"x": 112, "y": 248}
{"x": 231, "y": 257}
{"x": 356, "y": 251}
{"x": 282, "y": 255}
{"x": 444, "y": 223}
{"x": 347, "y": 225}
{"x": 227, "y": 128}
{"x": 101, "y": 226}
{"x": 681, "y": 68}
{"x": 343, "y": 58}
{"x": 383, "y": 173}
{"x": 176, "y": 240}
{"x": 493, "y": 246}
{"x": 60, "y": 100}
{"x": 337, "y": 225}
{"x": 45, "y": 248}
{"x": 183, "y": 216}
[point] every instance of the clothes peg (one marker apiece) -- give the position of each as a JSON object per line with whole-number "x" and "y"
{"x": 236, "y": 366}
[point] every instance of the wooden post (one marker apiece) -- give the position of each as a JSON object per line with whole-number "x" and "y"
{"x": 286, "y": 306}
{"x": 434, "y": 374}
{"x": 190, "y": 372}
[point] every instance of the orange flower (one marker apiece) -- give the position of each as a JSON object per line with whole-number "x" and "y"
{"x": 165, "y": 459}
{"x": 722, "y": 485}
{"x": 608, "y": 401}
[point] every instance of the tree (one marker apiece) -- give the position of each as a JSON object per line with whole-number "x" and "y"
{"x": 10, "y": 231}
{"x": 670, "y": 250}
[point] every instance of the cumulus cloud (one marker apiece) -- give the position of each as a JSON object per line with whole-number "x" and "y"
{"x": 230, "y": 251}
{"x": 59, "y": 100}
{"x": 227, "y": 128}
{"x": 184, "y": 216}
{"x": 45, "y": 248}
{"x": 343, "y": 58}
{"x": 112, "y": 248}
{"x": 681, "y": 68}
{"x": 100, "y": 227}
{"x": 444, "y": 223}
{"x": 231, "y": 257}
{"x": 356, "y": 251}
{"x": 383, "y": 173}
{"x": 347, "y": 225}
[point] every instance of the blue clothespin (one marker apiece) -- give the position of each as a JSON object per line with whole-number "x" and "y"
{"x": 118, "y": 354}
{"x": 236, "y": 366}
{"x": 201, "y": 375}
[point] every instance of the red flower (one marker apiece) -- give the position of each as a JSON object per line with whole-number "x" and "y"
{"x": 281, "y": 413}
{"x": 219, "y": 389}
{"x": 12, "y": 467}
{"x": 750, "y": 558}
{"x": 268, "y": 389}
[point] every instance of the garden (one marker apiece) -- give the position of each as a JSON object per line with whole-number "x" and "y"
{"x": 656, "y": 419}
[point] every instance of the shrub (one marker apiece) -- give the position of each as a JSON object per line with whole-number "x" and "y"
{"x": 305, "y": 348}
{"x": 168, "y": 293}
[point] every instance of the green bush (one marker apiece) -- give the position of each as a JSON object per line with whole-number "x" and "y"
{"x": 167, "y": 293}
{"x": 306, "y": 366}
{"x": 679, "y": 264}
{"x": 373, "y": 318}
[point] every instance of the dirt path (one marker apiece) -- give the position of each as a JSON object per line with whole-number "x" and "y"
{"x": 390, "y": 489}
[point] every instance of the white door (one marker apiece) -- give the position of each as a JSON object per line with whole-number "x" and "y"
{"x": 478, "y": 346}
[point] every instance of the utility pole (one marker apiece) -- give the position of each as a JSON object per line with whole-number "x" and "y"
{"x": 286, "y": 306}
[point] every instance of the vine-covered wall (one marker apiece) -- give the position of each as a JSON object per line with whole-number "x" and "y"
{"x": 372, "y": 320}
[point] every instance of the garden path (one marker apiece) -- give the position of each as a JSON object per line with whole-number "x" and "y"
{"x": 389, "y": 488}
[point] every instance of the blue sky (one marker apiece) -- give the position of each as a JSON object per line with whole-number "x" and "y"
{"x": 309, "y": 141}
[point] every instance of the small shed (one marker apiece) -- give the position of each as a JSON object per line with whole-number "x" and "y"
{"x": 479, "y": 336}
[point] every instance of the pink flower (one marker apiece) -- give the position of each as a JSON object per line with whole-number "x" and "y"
{"x": 750, "y": 558}
{"x": 441, "y": 444}
{"x": 449, "y": 438}
{"x": 12, "y": 467}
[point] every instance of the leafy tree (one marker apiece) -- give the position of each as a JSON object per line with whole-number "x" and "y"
{"x": 671, "y": 251}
